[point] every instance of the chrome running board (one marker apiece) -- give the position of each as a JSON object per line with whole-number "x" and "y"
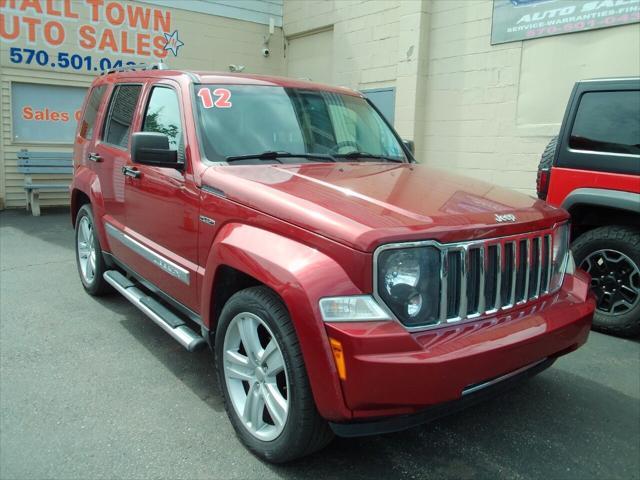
{"x": 165, "y": 318}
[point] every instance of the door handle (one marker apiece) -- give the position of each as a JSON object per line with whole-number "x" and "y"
{"x": 94, "y": 157}
{"x": 131, "y": 172}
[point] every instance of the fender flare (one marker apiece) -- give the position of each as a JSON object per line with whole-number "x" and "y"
{"x": 87, "y": 181}
{"x": 621, "y": 200}
{"x": 301, "y": 275}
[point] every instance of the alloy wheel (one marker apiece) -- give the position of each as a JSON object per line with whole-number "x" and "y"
{"x": 86, "y": 250}
{"x": 615, "y": 280}
{"x": 255, "y": 376}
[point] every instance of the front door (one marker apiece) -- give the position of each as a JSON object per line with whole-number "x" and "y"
{"x": 162, "y": 204}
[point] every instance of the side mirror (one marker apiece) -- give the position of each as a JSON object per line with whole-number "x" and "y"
{"x": 151, "y": 148}
{"x": 410, "y": 145}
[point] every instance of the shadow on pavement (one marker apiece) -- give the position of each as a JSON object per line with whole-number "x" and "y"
{"x": 196, "y": 370}
{"x": 53, "y": 226}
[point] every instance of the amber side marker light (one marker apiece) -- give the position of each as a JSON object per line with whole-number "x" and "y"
{"x": 338, "y": 356}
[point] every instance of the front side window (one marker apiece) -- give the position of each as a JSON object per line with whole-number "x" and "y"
{"x": 608, "y": 122}
{"x": 123, "y": 106}
{"x": 163, "y": 116}
{"x": 237, "y": 120}
{"x": 91, "y": 111}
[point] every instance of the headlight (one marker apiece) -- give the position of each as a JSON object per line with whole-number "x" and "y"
{"x": 560, "y": 256}
{"x": 408, "y": 283}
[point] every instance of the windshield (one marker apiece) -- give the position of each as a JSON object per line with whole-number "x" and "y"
{"x": 249, "y": 120}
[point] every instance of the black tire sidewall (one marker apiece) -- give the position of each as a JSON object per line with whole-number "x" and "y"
{"x": 628, "y": 323}
{"x": 283, "y": 447}
{"x": 97, "y": 286}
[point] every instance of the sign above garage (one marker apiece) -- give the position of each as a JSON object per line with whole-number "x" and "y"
{"x": 515, "y": 20}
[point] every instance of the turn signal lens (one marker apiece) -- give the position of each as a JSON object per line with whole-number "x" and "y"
{"x": 356, "y": 308}
{"x": 338, "y": 356}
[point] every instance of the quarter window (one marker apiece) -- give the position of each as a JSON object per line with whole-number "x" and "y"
{"x": 608, "y": 122}
{"x": 123, "y": 106}
{"x": 163, "y": 116}
{"x": 91, "y": 112}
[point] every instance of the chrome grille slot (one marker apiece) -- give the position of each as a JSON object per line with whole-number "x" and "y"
{"x": 509, "y": 275}
{"x": 474, "y": 280}
{"x": 453, "y": 285}
{"x": 534, "y": 272}
{"x": 492, "y": 279}
{"x": 522, "y": 272}
{"x": 482, "y": 277}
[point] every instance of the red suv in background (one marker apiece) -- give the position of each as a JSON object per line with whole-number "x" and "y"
{"x": 592, "y": 169}
{"x": 343, "y": 288}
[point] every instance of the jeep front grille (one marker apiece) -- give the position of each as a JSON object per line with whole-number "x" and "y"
{"x": 476, "y": 278}
{"x": 482, "y": 277}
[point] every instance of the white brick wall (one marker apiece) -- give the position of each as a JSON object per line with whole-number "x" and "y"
{"x": 476, "y": 98}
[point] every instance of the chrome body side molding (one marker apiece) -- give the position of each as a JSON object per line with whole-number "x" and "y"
{"x": 158, "y": 260}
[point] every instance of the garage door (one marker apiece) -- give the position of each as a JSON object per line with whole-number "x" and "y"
{"x": 310, "y": 57}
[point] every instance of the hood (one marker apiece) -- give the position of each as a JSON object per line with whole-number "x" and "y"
{"x": 366, "y": 204}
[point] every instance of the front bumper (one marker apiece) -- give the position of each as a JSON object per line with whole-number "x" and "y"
{"x": 391, "y": 372}
{"x": 402, "y": 422}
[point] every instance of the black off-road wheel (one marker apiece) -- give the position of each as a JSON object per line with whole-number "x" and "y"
{"x": 263, "y": 379}
{"x": 611, "y": 255}
{"x": 89, "y": 259}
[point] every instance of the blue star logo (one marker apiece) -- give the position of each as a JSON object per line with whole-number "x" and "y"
{"x": 173, "y": 42}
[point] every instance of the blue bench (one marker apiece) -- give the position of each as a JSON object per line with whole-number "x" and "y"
{"x": 43, "y": 163}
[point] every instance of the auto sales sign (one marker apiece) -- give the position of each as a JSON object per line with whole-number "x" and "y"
{"x": 85, "y": 36}
{"x": 515, "y": 20}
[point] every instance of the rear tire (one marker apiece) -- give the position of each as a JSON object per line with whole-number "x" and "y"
{"x": 89, "y": 259}
{"x": 302, "y": 431}
{"x": 611, "y": 255}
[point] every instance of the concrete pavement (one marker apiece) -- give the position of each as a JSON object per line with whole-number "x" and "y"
{"x": 90, "y": 388}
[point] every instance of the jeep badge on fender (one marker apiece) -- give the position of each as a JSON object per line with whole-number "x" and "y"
{"x": 505, "y": 217}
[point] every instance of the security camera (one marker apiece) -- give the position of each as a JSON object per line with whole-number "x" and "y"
{"x": 265, "y": 51}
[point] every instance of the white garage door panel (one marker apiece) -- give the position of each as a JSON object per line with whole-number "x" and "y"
{"x": 310, "y": 57}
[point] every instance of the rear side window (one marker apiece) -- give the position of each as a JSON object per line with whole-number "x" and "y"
{"x": 91, "y": 112}
{"x": 163, "y": 116}
{"x": 608, "y": 122}
{"x": 123, "y": 106}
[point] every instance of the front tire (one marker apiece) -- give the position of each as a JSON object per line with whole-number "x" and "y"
{"x": 263, "y": 378}
{"x": 89, "y": 259}
{"x": 611, "y": 255}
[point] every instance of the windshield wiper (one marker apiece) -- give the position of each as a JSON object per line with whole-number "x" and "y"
{"x": 356, "y": 155}
{"x": 271, "y": 155}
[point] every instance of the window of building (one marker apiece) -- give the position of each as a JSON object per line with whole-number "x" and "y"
{"x": 123, "y": 106}
{"x": 608, "y": 122}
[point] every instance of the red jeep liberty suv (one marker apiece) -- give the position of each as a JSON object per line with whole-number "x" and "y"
{"x": 344, "y": 288}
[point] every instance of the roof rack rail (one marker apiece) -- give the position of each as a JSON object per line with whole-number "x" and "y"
{"x": 135, "y": 67}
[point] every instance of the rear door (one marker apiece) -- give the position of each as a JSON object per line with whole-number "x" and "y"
{"x": 111, "y": 152}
